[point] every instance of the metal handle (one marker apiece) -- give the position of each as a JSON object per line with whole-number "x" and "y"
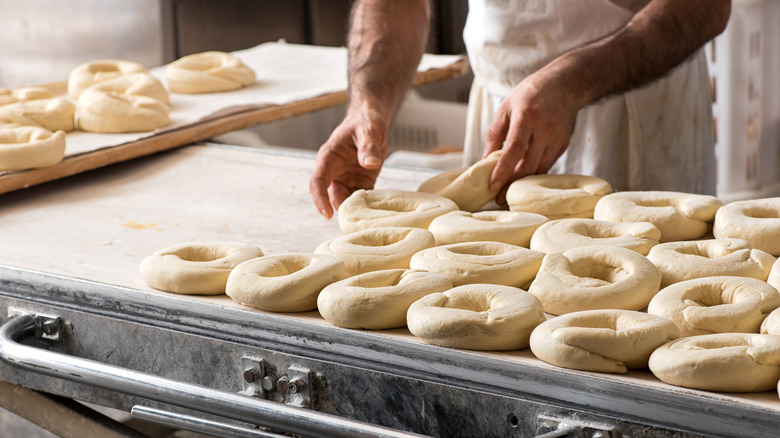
{"x": 195, "y": 424}
{"x": 276, "y": 416}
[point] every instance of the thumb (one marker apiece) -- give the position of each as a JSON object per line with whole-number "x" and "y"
{"x": 370, "y": 152}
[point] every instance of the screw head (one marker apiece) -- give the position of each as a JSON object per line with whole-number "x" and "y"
{"x": 250, "y": 375}
{"x": 269, "y": 383}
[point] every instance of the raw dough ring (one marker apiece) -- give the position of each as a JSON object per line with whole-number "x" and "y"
{"x": 476, "y": 317}
{"x": 679, "y": 216}
{"x": 771, "y": 324}
{"x": 199, "y": 268}
{"x": 366, "y": 209}
{"x": 687, "y": 260}
{"x": 557, "y": 196}
{"x": 716, "y": 305}
{"x": 95, "y": 72}
{"x": 480, "y": 262}
{"x": 284, "y": 282}
{"x": 378, "y": 248}
{"x": 595, "y": 277}
{"x": 208, "y": 72}
{"x": 53, "y": 114}
{"x": 723, "y": 362}
{"x": 130, "y": 103}
{"x": 756, "y": 220}
{"x": 563, "y": 234}
{"x": 469, "y": 188}
{"x": 26, "y": 147}
{"x": 377, "y": 300}
{"x": 609, "y": 341}
{"x": 514, "y": 228}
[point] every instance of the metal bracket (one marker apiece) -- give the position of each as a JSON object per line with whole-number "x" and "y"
{"x": 253, "y": 377}
{"x": 292, "y": 388}
{"x": 49, "y": 327}
{"x": 550, "y": 427}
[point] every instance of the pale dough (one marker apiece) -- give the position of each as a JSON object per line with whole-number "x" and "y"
{"x": 95, "y": 72}
{"x": 514, "y": 228}
{"x": 284, "y": 282}
{"x": 771, "y": 324}
{"x": 557, "y": 196}
{"x": 469, "y": 188}
{"x": 377, "y": 300}
{"x": 679, "y": 216}
{"x": 366, "y": 209}
{"x": 7, "y": 96}
{"x": 378, "y": 248}
{"x": 480, "y": 262}
{"x": 563, "y": 234}
{"x": 208, "y": 72}
{"x": 476, "y": 317}
{"x": 610, "y": 341}
{"x": 716, "y": 305}
{"x": 756, "y": 220}
{"x": 27, "y": 147}
{"x": 55, "y": 114}
{"x": 724, "y": 362}
{"x": 595, "y": 277}
{"x": 197, "y": 268}
{"x": 32, "y": 93}
{"x": 687, "y": 260}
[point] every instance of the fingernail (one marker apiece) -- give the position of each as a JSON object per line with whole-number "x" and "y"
{"x": 371, "y": 160}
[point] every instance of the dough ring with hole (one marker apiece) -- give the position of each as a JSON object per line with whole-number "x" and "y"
{"x": 378, "y": 248}
{"x": 595, "y": 277}
{"x": 679, "y": 216}
{"x": 679, "y": 261}
{"x": 28, "y": 147}
{"x": 208, "y": 72}
{"x": 95, "y": 72}
{"x": 469, "y": 188}
{"x": 609, "y": 340}
{"x": 476, "y": 317}
{"x": 366, "y": 209}
{"x": 716, "y": 305}
{"x": 198, "y": 268}
{"x": 557, "y": 196}
{"x": 514, "y": 228}
{"x": 563, "y": 234}
{"x": 723, "y": 362}
{"x": 480, "y": 262}
{"x": 756, "y": 220}
{"x": 130, "y": 103}
{"x": 284, "y": 282}
{"x": 377, "y": 300}
{"x": 55, "y": 114}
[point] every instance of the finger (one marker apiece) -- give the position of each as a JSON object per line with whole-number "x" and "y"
{"x": 516, "y": 174}
{"x": 370, "y": 151}
{"x": 338, "y": 193}
{"x": 514, "y": 150}
{"x": 537, "y": 147}
{"x": 318, "y": 187}
{"x": 494, "y": 139}
{"x": 551, "y": 155}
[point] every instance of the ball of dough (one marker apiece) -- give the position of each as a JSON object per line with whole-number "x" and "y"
{"x": 557, "y": 196}
{"x": 378, "y": 248}
{"x": 724, "y": 362}
{"x": 208, "y": 72}
{"x": 27, "y": 147}
{"x": 53, "y": 114}
{"x": 679, "y": 261}
{"x": 609, "y": 340}
{"x": 198, "y": 268}
{"x": 377, "y": 300}
{"x": 95, "y": 72}
{"x": 480, "y": 262}
{"x": 771, "y": 324}
{"x": 476, "y": 317}
{"x": 366, "y": 209}
{"x": 595, "y": 277}
{"x": 284, "y": 282}
{"x": 514, "y": 228}
{"x": 563, "y": 234}
{"x": 469, "y": 188}
{"x": 716, "y": 305}
{"x": 129, "y": 103}
{"x": 679, "y": 216}
{"x": 756, "y": 220}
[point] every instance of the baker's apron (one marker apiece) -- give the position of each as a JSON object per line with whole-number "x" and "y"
{"x": 658, "y": 137}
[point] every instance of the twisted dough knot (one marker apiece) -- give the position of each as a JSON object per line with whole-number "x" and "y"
{"x": 208, "y": 72}
{"x": 26, "y": 147}
{"x": 95, "y": 72}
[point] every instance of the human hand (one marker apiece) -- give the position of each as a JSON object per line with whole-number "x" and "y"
{"x": 350, "y": 160}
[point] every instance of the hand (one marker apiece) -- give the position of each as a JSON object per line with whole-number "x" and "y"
{"x": 350, "y": 160}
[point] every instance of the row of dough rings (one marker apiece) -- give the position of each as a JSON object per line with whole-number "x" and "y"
{"x": 377, "y": 248}
{"x": 198, "y": 268}
{"x": 757, "y": 221}
{"x": 716, "y": 305}
{"x": 557, "y": 196}
{"x": 366, "y": 209}
{"x": 679, "y": 216}
{"x": 514, "y": 228}
{"x": 25, "y": 147}
{"x": 595, "y": 277}
{"x": 208, "y": 72}
{"x": 54, "y": 114}
{"x": 679, "y": 261}
{"x": 608, "y": 340}
{"x": 469, "y": 188}
{"x": 377, "y": 300}
{"x": 563, "y": 234}
{"x": 90, "y": 73}
{"x": 476, "y": 317}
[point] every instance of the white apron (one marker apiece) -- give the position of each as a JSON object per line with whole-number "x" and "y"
{"x": 658, "y": 137}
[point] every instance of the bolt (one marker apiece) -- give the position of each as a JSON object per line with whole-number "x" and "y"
{"x": 296, "y": 385}
{"x": 50, "y": 327}
{"x": 250, "y": 375}
{"x": 269, "y": 383}
{"x": 283, "y": 384}
{"x": 546, "y": 427}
